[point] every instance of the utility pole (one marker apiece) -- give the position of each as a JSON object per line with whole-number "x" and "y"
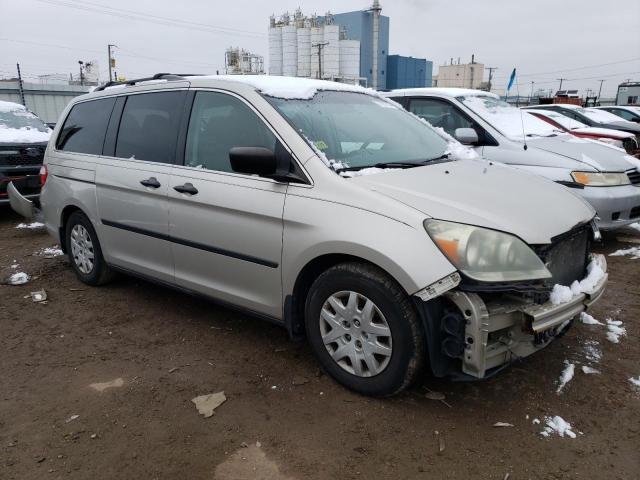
{"x": 561, "y": 80}
{"x": 491, "y": 70}
{"x": 531, "y": 94}
{"x": 600, "y": 90}
{"x": 112, "y": 61}
{"x": 20, "y": 87}
{"x": 320, "y": 46}
{"x": 81, "y": 63}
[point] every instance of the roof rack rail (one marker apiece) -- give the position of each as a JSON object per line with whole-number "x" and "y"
{"x": 157, "y": 76}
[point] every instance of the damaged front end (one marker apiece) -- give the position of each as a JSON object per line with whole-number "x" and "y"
{"x": 474, "y": 330}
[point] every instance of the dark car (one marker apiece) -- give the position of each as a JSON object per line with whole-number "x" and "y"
{"x": 23, "y": 140}
{"x": 592, "y": 117}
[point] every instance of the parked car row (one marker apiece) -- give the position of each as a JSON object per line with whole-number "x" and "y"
{"x": 330, "y": 210}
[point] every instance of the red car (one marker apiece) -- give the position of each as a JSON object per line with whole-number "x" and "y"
{"x": 616, "y": 138}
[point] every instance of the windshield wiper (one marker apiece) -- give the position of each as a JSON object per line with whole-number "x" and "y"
{"x": 418, "y": 163}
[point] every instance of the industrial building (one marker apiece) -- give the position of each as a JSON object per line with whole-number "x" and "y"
{"x": 628, "y": 93}
{"x": 237, "y": 61}
{"x": 408, "y": 72}
{"x": 349, "y": 47}
{"x": 460, "y": 75}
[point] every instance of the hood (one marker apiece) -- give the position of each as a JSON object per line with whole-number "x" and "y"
{"x": 486, "y": 194}
{"x": 591, "y": 153}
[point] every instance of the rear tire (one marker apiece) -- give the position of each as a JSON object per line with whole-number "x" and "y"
{"x": 364, "y": 330}
{"x": 84, "y": 251}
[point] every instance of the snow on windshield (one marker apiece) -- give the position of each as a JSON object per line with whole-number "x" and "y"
{"x": 508, "y": 119}
{"x": 600, "y": 116}
{"x": 19, "y": 125}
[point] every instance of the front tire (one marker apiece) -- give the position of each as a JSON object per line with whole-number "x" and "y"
{"x": 364, "y": 330}
{"x": 84, "y": 251}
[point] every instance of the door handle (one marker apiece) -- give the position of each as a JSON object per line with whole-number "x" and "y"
{"x": 150, "y": 182}
{"x": 186, "y": 188}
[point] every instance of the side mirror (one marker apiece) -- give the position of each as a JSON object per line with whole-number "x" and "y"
{"x": 466, "y": 136}
{"x": 261, "y": 161}
{"x": 253, "y": 161}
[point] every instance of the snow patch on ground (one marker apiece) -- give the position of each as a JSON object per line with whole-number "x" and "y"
{"x": 31, "y": 226}
{"x": 566, "y": 376}
{"x": 19, "y": 278}
{"x": 635, "y": 226}
{"x": 50, "y": 252}
{"x": 633, "y": 252}
{"x": 557, "y": 425}
{"x": 563, "y": 294}
{"x": 589, "y": 370}
{"x": 592, "y": 351}
{"x": 635, "y": 381}
{"x": 615, "y": 330}
{"x": 588, "y": 319}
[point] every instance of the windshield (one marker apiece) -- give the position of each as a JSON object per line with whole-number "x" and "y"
{"x": 16, "y": 118}
{"x": 566, "y": 122}
{"x": 507, "y": 119}
{"x": 355, "y": 130}
{"x": 599, "y": 116}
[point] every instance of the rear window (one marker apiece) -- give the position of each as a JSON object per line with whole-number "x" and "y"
{"x": 85, "y": 127}
{"x": 149, "y": 126}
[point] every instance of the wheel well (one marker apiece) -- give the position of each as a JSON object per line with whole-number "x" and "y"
{"x": 295, "y": 302}
{"x": 66, "y": 213}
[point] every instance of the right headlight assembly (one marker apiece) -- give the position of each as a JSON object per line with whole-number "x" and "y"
{"x": 486, "y": 255}
{"x": 601, "y": 179}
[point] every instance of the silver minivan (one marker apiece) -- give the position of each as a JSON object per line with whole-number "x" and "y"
{"x": 327, "y": 209}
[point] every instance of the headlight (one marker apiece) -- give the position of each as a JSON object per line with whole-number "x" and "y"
{"x": 599, "y": 179}
{"x": 611, "y": 141}
{"x": 486, "y": 255}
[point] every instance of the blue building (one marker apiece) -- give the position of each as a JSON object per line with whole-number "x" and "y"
{"x": 359, "y": 26}
{"x": 408, "y": 72}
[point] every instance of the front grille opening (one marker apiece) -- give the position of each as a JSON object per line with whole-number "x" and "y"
{"x": 634, "y": 177}
{"x": 615, "y": 215}
{"x": 635, "y": 212}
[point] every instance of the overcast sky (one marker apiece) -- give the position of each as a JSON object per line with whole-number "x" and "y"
{"x": 544, "y": 39}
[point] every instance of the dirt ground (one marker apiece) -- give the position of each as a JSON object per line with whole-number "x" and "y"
{"x": 282, "y": 419}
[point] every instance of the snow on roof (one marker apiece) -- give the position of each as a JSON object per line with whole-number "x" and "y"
{"x": 446, "y": 92}
{"x": 288, "y": 87}
{"x": 10, "y": 106}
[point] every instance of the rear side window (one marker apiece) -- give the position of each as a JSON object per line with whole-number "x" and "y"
{"x": 149, "y": 126}
{"x": 85, "y": 127}
{"x": 218, "y": 123}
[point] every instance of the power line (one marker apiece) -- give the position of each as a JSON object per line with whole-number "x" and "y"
{"x": 579, "y": 68}
{"x": 146, "y": 17}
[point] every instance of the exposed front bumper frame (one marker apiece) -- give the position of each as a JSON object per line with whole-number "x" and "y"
{"x": 498, "y": 332}
{"x": 21, "y": 203}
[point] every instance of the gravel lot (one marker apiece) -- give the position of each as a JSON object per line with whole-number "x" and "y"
{"x": 283, "y": 419}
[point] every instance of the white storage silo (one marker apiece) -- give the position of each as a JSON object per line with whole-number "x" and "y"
{"x": 289, "y": 51}
{"x": 304, "y": 52}
{"x": 275, "y": 51}
{"x": 317, "y": 36}
{"x": 331, "y": 51}
{"x": 350, "y": 59}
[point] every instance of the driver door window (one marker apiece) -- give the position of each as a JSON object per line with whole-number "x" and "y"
{"x": 440, "y": 114}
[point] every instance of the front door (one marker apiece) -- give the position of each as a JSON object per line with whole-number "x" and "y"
{"x": 226, "y": 228}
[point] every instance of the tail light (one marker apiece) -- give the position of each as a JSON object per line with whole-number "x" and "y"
{"x": 43, "y": 175}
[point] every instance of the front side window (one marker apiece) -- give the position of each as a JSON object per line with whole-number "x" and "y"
{"x": 86, "y": 126}
{"x": 359, "y": 130}
{"x": 624, "y": 114}
{"x": 149, "y": 126}
{"x": 440, "y": 114}
{"x": 218, "y": 123}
